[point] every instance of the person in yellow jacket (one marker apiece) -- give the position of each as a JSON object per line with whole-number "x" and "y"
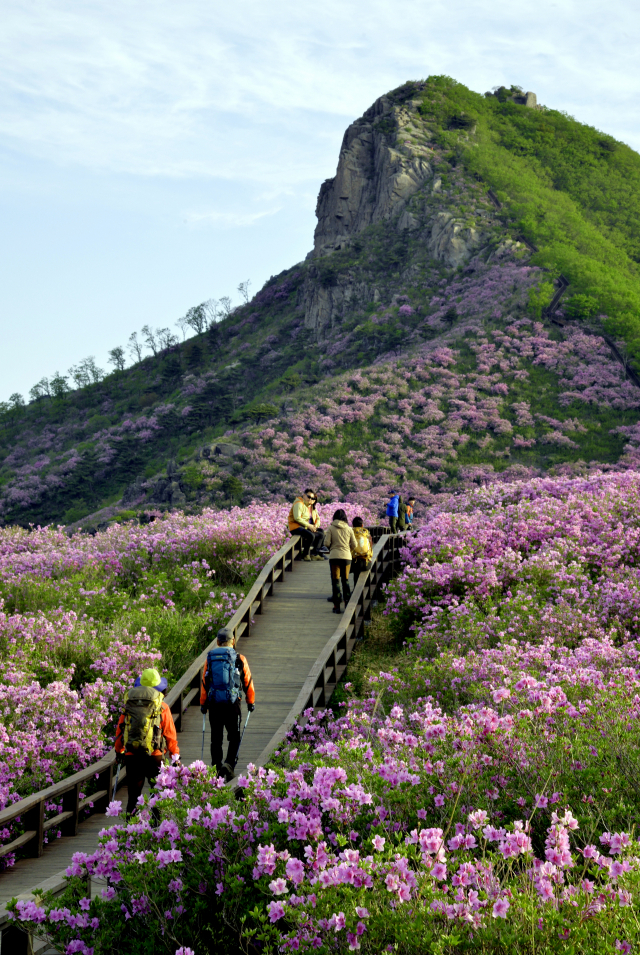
{"x": 364, "y": 548}
{"x": 341, "y": 542}
{"x": 300, "y": 522}
{"x": 145, "y": 734}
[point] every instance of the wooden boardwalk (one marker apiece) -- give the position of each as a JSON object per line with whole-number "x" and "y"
{"x": 285, "y": 642}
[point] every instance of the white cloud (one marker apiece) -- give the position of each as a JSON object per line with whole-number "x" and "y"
{"x": 262, "y": 91}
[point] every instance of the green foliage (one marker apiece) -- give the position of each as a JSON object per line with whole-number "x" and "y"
{"x": 263, "y": 412}
{"x": 575, "y": 194}
{"x": 541, "y": 297}
{"x": 580, "y": 306}
{"x": 232, "y": 486}
{"x": 192, "y": 477}
{"x": 291, "y": 381}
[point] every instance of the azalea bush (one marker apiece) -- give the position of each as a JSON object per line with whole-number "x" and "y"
{"x": 495, "y": 407}
{"x": 548, "y": 559}
{"x": 81, "y": 616}
{"x": 394, "y": 827}
{"x": 480, "y": 794}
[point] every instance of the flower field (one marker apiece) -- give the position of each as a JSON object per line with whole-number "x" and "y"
{"x": 481, "y": 794}
{"x": 492, "y": 406}
{"x": 81, "y": 616}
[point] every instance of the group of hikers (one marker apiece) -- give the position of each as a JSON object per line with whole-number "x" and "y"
{"x": 345, "y": 546}
{"x": 146, "y": 733}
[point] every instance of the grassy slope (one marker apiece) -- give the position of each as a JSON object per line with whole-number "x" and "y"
{"x": 572, "y": 190}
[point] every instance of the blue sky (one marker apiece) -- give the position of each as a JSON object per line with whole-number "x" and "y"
{"x": 156, "y": 154}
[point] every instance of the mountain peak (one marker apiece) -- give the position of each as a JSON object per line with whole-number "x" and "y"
{"x": 469, "y": 313}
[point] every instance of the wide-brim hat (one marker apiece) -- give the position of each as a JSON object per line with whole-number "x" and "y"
{"x": 151, "y": 677}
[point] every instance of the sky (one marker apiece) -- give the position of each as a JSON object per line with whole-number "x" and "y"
{"x": 156, "y": 154}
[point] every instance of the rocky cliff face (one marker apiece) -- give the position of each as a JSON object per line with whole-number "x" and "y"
{"x": 386, "y": 173}
{"x": 378, "y": 171}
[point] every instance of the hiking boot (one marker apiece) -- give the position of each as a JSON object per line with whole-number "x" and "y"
{"x": 227, "y": 772}
{"x": 306, "y": 558}
{"x": 316, "y": 557}
{"x": 337, "y": 610}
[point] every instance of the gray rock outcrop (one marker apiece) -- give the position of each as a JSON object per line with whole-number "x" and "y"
{"x": 385, "y": 172}
{"x": 377, "y": 173}
{"x": 453, "y": 242}
{"x": 326, "y": 306}
{"x": 225, "y": 450}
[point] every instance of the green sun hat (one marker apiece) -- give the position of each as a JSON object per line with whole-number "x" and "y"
{"x": 151, "y": 677}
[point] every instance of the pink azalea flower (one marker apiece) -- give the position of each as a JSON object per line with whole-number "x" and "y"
{"x": 500, "y": 909}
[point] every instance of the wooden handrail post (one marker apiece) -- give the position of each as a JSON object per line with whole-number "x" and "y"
{"x": 71, "y": 803}
{"x": 34, "y": 820}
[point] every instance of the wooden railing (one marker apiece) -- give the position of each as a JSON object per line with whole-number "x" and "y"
{"x": 315, "y": 694}
{"x": 184, "y": 693}
{"x": 332, "y": 662}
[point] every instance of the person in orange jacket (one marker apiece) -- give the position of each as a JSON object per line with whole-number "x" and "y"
{"x": 145, "y": 733}
{"x": 224, "y": 675}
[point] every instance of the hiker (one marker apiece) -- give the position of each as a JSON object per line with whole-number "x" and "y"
{"x": 392, "y": 512}
{"x": 145, "y": 732}
{"x": 314, "y": 524}
{"x": 225, "y": 675}
{"x": 341, "y": 542}
{"x": 410, "y": 504}
{"x": 364, "y": 548}
{"x": 402, "y": 515}
{"x": 299, "y": 523}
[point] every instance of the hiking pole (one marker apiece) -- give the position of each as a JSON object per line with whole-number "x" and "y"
{"x": 204, "y": 724}
{"x": 241, "y": 738}
{"x": 115, "y": 785}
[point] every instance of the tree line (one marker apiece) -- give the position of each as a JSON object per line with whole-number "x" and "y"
{"x": 197, "y": 320}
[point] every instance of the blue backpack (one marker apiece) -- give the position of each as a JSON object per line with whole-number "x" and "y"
{"x": 223, "y": 677}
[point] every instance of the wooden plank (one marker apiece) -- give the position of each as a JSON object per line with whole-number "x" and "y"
{"x": 86, "y": 803}
{"x": 56, "y": 821}
{"x": 191, "y": 695}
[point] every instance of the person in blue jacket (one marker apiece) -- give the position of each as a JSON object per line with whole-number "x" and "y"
{"x": 392, "y": 513}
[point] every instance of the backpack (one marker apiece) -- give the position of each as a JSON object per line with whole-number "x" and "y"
{"x": 142, "y": 714}
{"x": 362, "y": 542}
{"x": 222, "y": 681}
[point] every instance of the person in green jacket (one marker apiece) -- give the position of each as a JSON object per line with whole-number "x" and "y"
{"x": 402, "y": 515}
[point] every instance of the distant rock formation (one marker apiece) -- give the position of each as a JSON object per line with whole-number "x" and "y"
{"x": 376, "y": 175}
{"x": 516, "y": 96}
{"x": 386, "y": 160}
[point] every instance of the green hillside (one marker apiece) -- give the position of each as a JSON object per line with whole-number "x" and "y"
{"x": 413, "y": 349}
{"x": 570, "y": 189}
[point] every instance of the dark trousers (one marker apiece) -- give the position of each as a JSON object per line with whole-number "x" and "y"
{"x": 307, "y": 537}
{"x": 318, "y": 540}
{"x": 225, "y": 716}
{"x": 359, "y": 567}
{"x": 140, "y": 767}
{"x": 340, "y": 571}
{"x": 393, "y": 524}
